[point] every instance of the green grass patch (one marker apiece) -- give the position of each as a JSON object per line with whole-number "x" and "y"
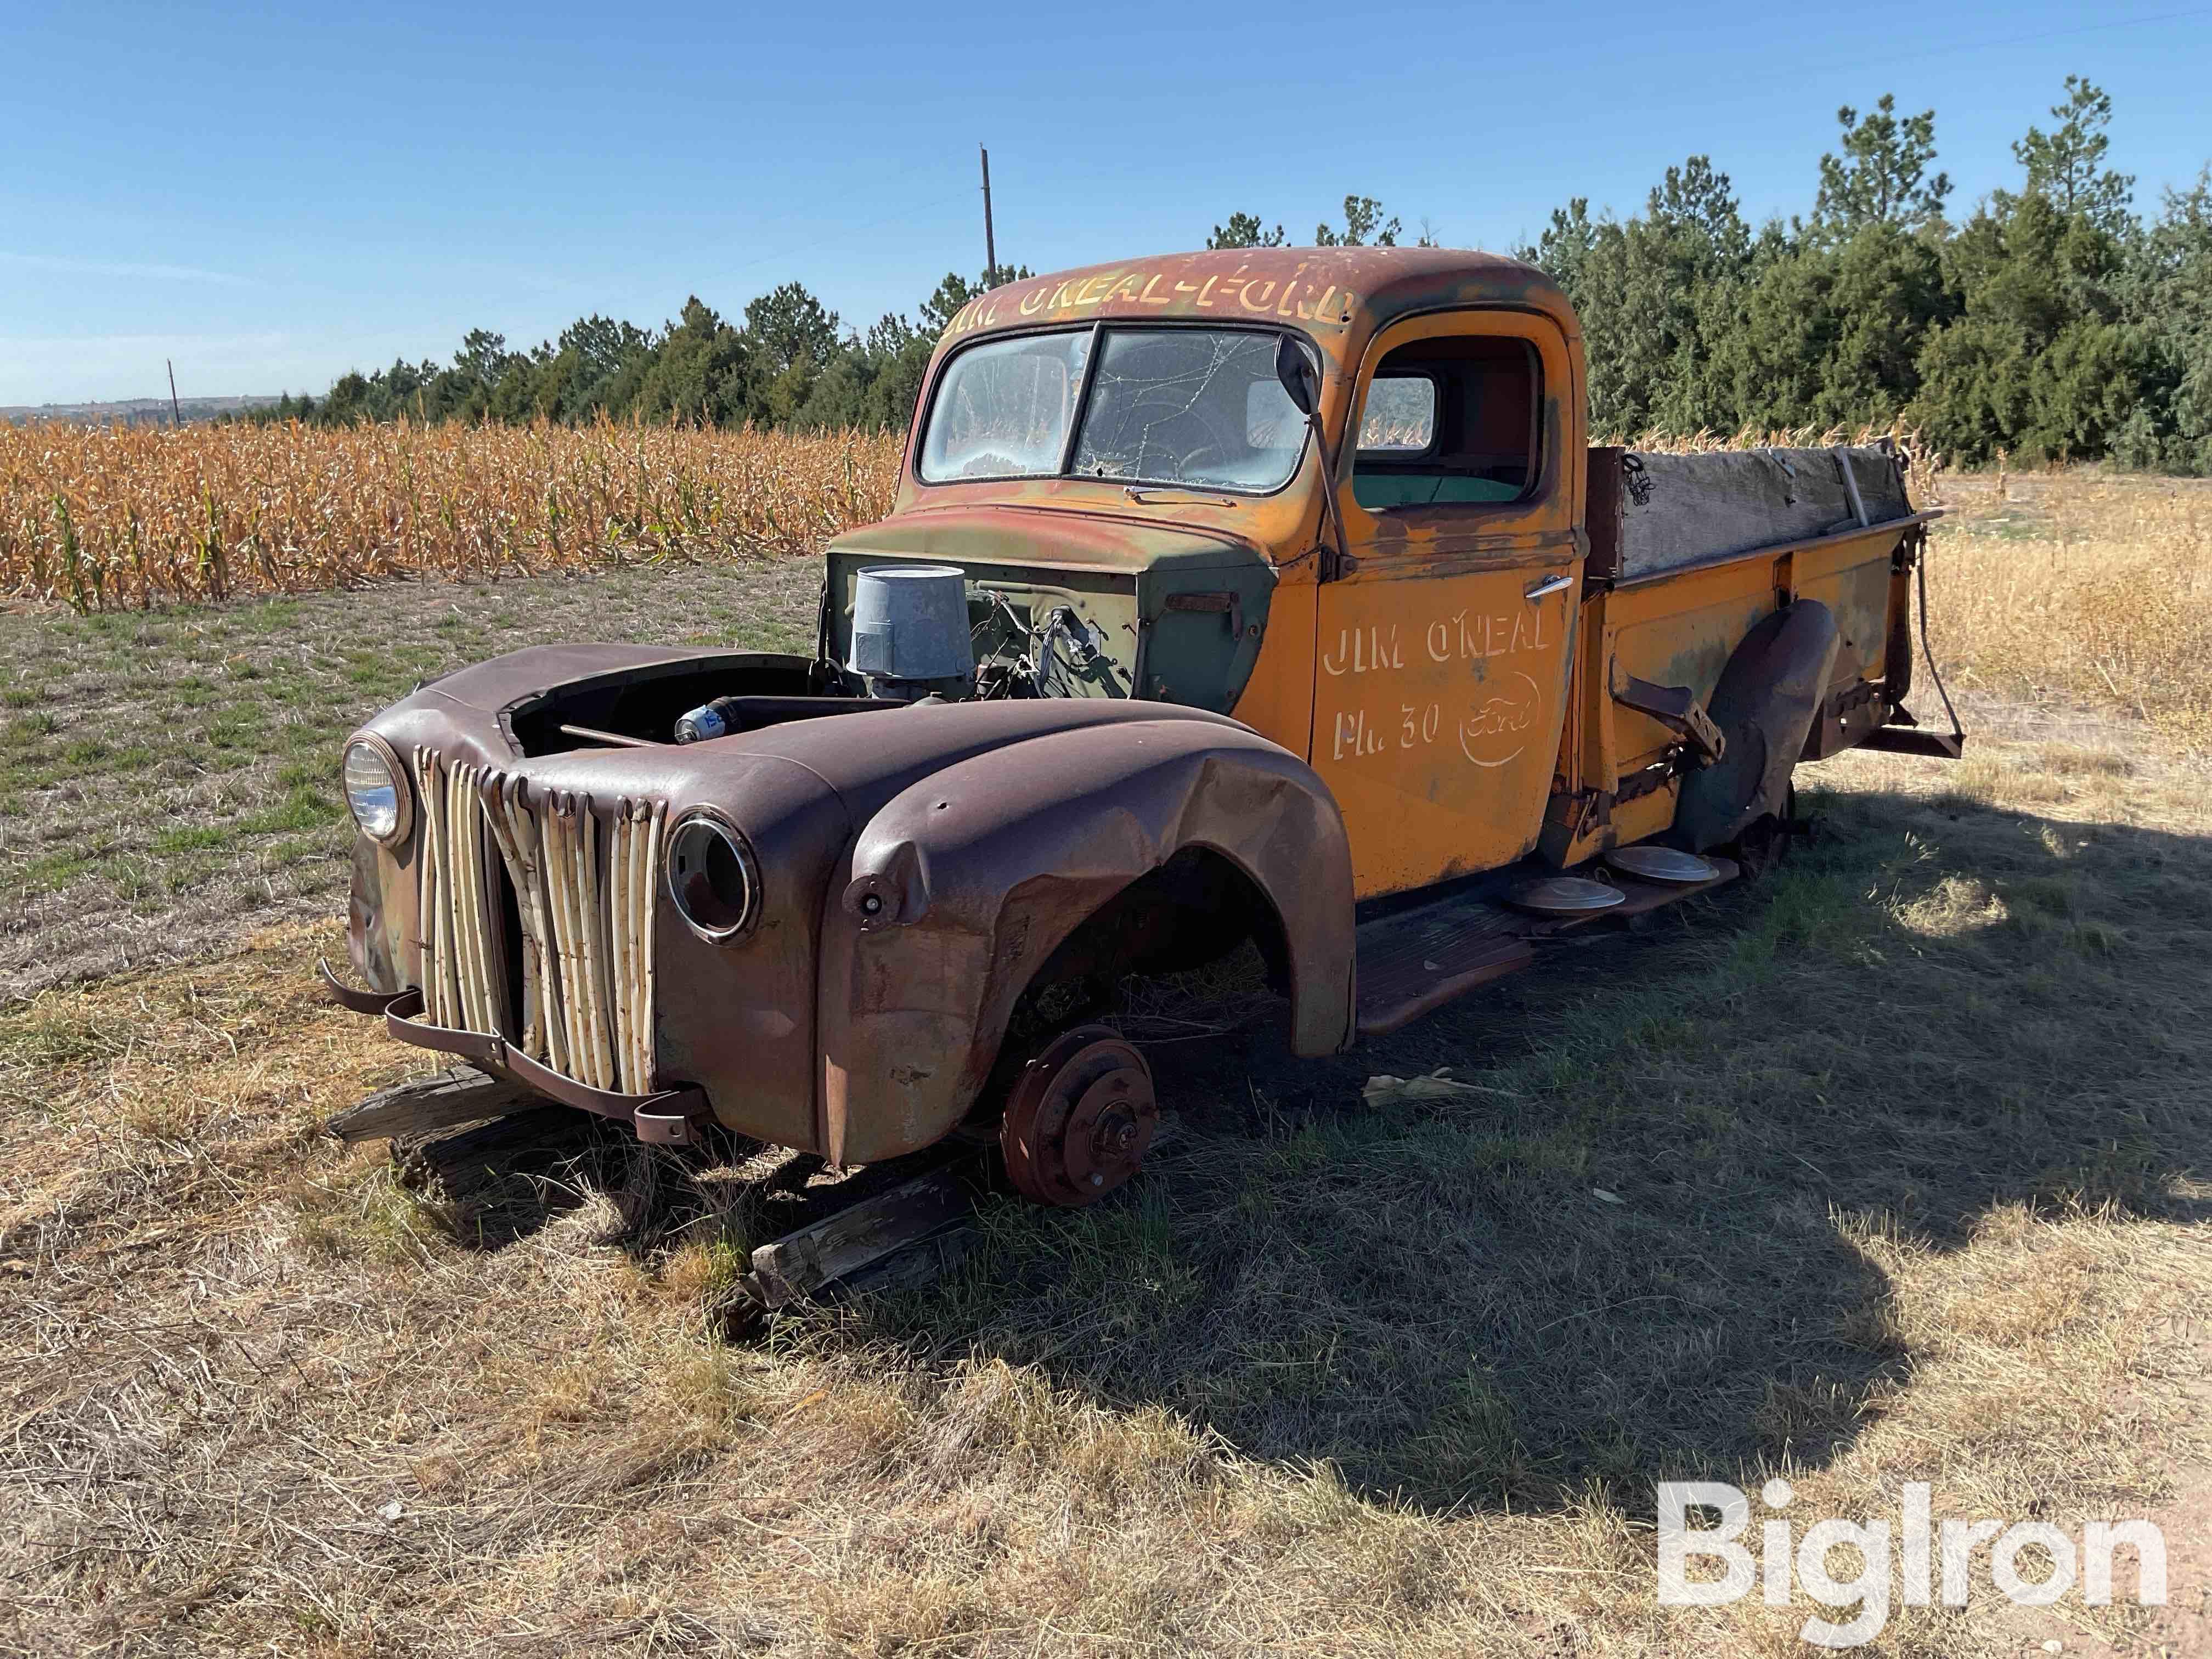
{"x": 39, "y": 1037}
{"x": 304, "y": 808}
{"x": 55, "y": 870}
{"x": 193, "y": 837}
{"x": 271, "y": 616}
{"x": 133, "y": 879}
{"x": 293, "y": 850}
{"x": 236, "y": 728}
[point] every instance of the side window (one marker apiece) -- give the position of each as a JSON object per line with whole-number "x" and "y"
{"x": 1451, "y": 423}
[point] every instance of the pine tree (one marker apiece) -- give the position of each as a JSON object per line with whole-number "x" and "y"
{"x": 1363, "y": 218}
{"x": 1882, "y": 175}
{"x": 2067, "y": 164}
{"x": 1243, "y": 230}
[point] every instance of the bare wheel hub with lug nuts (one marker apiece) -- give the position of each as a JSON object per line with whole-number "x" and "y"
{"x": 1079, "y": 1119}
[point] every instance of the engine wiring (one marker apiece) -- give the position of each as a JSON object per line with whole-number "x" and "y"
{"x": 1049, "y": 656}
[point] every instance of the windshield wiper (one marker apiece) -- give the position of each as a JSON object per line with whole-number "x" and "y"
{"x": 1138, "y": 493}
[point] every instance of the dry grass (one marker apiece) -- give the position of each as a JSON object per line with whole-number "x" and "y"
{"x": 107, "y": 517}
{"x": 2080, "y": 586}
{"x": 1911, "y": 1149}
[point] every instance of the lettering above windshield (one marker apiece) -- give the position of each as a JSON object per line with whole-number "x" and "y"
{"x": 1296, "y": 299}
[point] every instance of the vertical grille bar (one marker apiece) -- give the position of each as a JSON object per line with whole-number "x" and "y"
{"x": 584, "y": 883}
{"x": 464, "y": 983}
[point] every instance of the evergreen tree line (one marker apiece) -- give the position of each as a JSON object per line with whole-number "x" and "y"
{"x": 2054, "y": 322}
{"x": 792, "y": 364}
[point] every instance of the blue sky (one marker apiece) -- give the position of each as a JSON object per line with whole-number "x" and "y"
{"x": 273, "y": 195}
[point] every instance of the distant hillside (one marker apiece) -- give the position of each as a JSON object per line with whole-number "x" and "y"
{"x": 131, "y": 411}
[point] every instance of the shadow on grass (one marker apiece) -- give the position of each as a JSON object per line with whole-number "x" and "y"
{"x": 1632, "y": 1257}
{"x": 490, "y": 1185}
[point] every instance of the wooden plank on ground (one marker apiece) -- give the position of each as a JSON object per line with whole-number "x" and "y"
{"x": 802, "y": 1261}
{"x": 460, "y": 1096}
{"x": 870, "y": 1246}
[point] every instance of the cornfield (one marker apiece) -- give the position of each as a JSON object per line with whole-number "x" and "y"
{"x": 2066, "y": 583}
{"x": 1922, "y": 463}
{"x": 105, "y": 517}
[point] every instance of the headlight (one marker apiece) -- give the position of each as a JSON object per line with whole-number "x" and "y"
{"x": 713, "y": 879}
{"x": 376, "y": 791}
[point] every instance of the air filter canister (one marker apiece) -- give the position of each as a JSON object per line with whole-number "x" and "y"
{"x": 911, "y": 622}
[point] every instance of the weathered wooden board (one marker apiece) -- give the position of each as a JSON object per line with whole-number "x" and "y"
{"x": 870, "y": 1246}
{"x": 460, "y": 1096}
{"x": 803, "y": 1261}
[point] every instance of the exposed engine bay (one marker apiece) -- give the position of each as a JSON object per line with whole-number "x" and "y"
{"x": 897, "y": 629}
{"x": 904, "y": 634}
{"x": 905, "y": 631}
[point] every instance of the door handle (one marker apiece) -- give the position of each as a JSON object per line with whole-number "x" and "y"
{"x": 1550, "y": 586}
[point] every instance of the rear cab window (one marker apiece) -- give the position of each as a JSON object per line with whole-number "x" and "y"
{"x": 1450, "y": 423}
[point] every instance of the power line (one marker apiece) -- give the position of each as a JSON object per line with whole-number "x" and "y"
{"x": 908, "y": 214}
{"x": 2040, "y": 34}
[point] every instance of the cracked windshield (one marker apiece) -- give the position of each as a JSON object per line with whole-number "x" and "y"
{"x": 1195, "y": 407}
{"x": 1002, "y": 411}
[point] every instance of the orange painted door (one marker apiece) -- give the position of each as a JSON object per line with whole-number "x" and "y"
{"x": 1442, "y": 655}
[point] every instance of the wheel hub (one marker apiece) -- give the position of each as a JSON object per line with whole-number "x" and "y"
{"x": 1079, "y": 1119}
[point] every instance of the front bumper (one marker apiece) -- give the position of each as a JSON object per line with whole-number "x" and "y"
{"x": 667, "y": 1117}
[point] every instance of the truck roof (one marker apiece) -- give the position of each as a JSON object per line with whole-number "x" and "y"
{"x": 1338, "y": 296}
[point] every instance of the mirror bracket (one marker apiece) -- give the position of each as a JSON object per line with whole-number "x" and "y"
{"x": 1300, "y": 382}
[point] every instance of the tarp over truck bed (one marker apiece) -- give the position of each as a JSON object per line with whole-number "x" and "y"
{"x": 1678, "y": 510}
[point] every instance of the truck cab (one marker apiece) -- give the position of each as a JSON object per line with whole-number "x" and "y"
{"x": 1120, "y": 435}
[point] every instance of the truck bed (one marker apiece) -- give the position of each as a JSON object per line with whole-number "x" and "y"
{"x": 1672, "y": 511}
{"x": 1672, "y": 590}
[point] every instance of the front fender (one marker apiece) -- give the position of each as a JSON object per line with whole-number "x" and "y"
{"x": 963, "y": 884}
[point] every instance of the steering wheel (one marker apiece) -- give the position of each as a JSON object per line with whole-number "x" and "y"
{"x": 1192, "y": 457}
{"x": 1214, "y": 443}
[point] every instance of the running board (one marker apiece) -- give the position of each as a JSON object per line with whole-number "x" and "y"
{"x": 1414, "y": 961}
{"x": 1417, "y": 961}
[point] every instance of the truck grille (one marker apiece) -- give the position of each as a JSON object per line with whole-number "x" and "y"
{"x": 582, "y": 880}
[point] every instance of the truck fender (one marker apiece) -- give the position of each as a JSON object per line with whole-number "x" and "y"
{"x": 962, "y": 886}
{"x": 1766, "y": 702}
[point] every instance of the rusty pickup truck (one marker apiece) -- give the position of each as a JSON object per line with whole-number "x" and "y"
{"x": 1270, "y": 595}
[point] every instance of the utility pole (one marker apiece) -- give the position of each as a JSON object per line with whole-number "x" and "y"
{"x": 990, "y": 245}
{"x": 176, "y": 420}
